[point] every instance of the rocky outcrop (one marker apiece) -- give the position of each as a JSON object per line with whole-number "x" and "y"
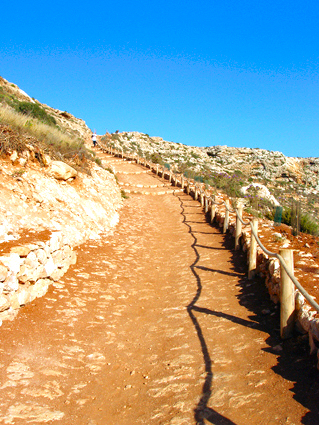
{"x": 284, "y": 177}
{"x": 255, "y": 163}
{"x": 62, "y": 171}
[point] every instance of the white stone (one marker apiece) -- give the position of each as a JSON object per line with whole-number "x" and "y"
{"x": 40, "y": 288}
{"x": 57, "y": 257}
{"x": 3, "y": 273}
{"x": 41, "y": 256}
{"x": 261, "y": 191}
{"x": 55, "y": 241}
{"x": 23, "y": 296}
{"x": 62, "y": 171}
{"x": 12, "y": 262}
{"x": 4, "y": 303}
{"x": 11, "y": 283}
{"x": 31, "y": 261}
{"x": 14, "y": 156}
{"x": 49, "y": 266}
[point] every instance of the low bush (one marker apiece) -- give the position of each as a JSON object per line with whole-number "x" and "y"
{"x": 34, "y": 110}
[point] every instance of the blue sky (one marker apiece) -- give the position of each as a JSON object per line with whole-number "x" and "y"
{"x": 241, "y": 73}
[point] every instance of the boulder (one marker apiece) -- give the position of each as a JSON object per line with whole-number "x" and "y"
{"x": 62, "y": 171}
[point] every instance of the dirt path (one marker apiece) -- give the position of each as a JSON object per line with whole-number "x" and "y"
{"x": 156, "y": 324}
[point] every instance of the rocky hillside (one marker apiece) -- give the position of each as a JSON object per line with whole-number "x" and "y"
{"x": 44, "y": 189}
{"x": 284, "y": 177}
{"x": 11, "y": 94}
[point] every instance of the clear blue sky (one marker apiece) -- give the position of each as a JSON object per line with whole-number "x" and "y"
{"x": 241, "y": 73}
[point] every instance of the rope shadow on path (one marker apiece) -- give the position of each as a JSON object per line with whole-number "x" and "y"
{"x": 294, "y": 363}
{"x": 202, "y": 411}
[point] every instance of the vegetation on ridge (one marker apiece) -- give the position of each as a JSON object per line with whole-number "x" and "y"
{"x": 227, "y": 173}
{"x": 47, "y": 137}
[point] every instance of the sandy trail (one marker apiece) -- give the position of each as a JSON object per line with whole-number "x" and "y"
{"x": 155, "y": 324}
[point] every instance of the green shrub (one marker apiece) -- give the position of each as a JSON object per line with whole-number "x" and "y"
{"x": 34, "y": 110}
{"x": 309, "y": 225}
{"x": 156, "y": 158}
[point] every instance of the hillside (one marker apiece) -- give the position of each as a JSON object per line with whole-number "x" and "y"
{"x": 261, "y": 179}
{"x": 231, "y": 169}
{"x": 12, "y": 95}
{"x": 50, "y": 183}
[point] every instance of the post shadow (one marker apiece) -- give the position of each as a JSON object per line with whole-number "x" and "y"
{"x": 294, "y": 362}
{"x": 202, "y": 411}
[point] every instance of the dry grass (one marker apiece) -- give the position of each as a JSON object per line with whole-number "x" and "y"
{"x": 50, "y": 139}
{"x": 44, "y": 133}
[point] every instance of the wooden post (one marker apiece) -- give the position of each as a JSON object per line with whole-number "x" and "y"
{"x": 201, "y": 198}
{"x": 238, "y": 226}
{"x": 213, "y": 210}
{"x": 188, "y": 187}
{"x": 170, "y": 177}
{"x": 226, "y": 219}
{"x": 182, "y": 182}
{"x": 253, "y": 251}
{"x": 287, "y": 295}
{"x": 157, "y": 169}
{"x": 206, "y": 203}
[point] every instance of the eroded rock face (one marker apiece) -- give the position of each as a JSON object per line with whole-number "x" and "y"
{"x": 81, "y": 209}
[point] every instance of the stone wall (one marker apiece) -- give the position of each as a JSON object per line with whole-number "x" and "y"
{"x": 27, "y": 271}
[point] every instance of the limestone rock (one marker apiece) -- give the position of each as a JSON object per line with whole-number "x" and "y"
{"x": 22, "y": 251}
{"x": 3, "y": 273}
{"x": 49, "y": 266}
{"x": 26, "y": 274}
{"x": 14, "y": 157}
{"x": 55, "y": 241}
{"x": 12, "y": 262}
{"x": 62, "y": 171}
{"x": 31, "y": 260}
{"x": 57, "y": 274}
{"x": 40, "y": 288}
{"x": 41, "y": 256}
{"x": 4, "y": 303}
{"x": 11, "y": 283}
{"x": 13, "y": 300}
{"x": 24, "y": 296}
{"x": 261, "y": 191}
{"x": 57, "y": 257}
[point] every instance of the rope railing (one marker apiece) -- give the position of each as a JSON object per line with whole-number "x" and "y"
{"x": 288, "y": 279}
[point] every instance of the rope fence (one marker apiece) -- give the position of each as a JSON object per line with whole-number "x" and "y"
{"x": 209, "y": 203}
